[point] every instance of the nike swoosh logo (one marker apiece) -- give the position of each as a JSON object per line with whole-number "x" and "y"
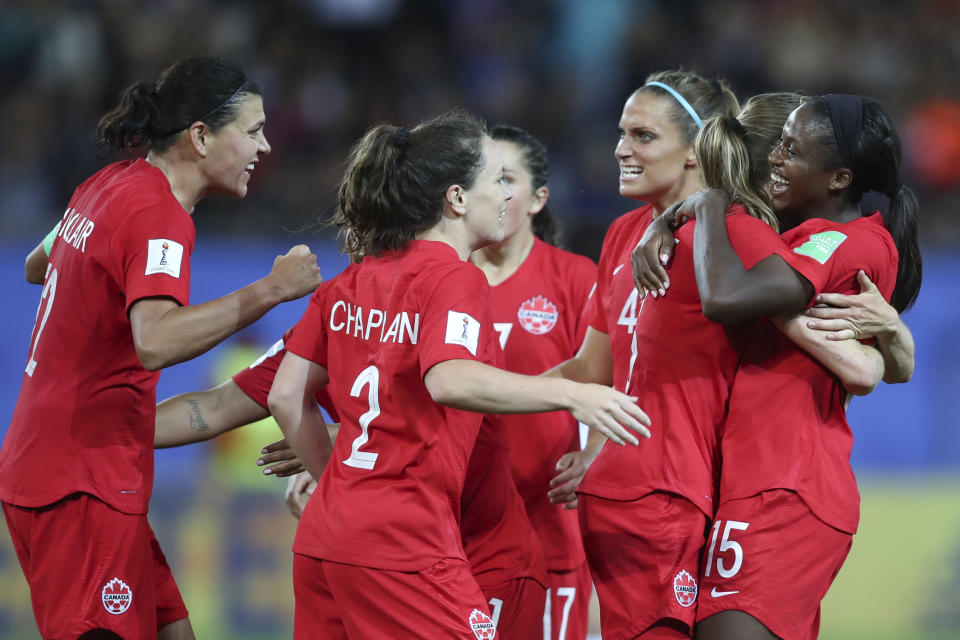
{"x": 719, "y": 594}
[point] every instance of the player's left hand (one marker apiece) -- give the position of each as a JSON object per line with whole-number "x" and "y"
{"x": 861, "y": 316}
{"x": 279, "y": 460}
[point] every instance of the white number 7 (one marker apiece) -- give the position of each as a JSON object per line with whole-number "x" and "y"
{"x": 365, "y": 459}
{"x": 49, "y": 288}
{"x": 726, "y": 545}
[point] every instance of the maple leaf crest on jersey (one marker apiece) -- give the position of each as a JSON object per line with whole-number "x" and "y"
{"x": 685, "y": 588}
{"x": 116, "y": 596}
{"x": 482, "y": 625}
{"x": 538, "y": 315}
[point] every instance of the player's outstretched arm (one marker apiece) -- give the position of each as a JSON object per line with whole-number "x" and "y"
{"x": 858, "y": 366}
{"x": 474, "y": 386}
{"x": 867, "y": 315}
{"x": 202, "y": 415}
{"x": 165, "y": 333}
{"x": 292, "y": 404}
{"x": 592, "y": 363}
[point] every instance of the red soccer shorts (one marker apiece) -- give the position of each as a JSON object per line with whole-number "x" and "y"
{"x": 90, "y": 566}
{"x": 516, "y": 607}
{"x": 567, "y": 614}
{"x": 337, "y": 601}
{"x": 769, "y": 556}
{"x": 644, "y": 556}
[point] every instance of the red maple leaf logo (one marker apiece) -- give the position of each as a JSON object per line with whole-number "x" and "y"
{"x": 538, "y": 315}
{"x": 482, "y": 625}
{"x": 685, "y": 589}
{"x": 116, "y": 596}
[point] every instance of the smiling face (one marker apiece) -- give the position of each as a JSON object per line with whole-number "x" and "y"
{"x": 486, "y": 200}
{"x": 525, "y": 203}
{"x": 653, "y": 155}
{"x": 235, "y": 149}
{"x": 800, "y": 181}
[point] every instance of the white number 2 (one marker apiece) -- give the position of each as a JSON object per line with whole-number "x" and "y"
{"x": 365, "y": 459}
{"x": 49, "y": 289}
{"x": 726, "y": 544}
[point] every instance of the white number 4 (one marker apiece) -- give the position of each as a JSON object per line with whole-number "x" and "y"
{"x": 726, "y": 544}
{"x": 365, "y": 459}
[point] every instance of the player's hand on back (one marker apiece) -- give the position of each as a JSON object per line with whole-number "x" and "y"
{"x": 610, "y": 412}
{"x": 860, "y": 316}
{"x": 279, "y": 460}
{"x": 295, "y": 274}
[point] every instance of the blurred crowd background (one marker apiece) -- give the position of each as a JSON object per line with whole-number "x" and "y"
{"x": 330, "y": 69}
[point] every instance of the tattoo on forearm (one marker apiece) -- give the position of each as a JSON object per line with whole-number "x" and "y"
{"x": 197, "y": 422}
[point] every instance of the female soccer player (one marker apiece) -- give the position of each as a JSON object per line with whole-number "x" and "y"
{"x": 499, "y": 542}
{"x": 789, "y": 504}
{"x": 537, "y": 294}
{"x": 657, "y": 165}
{"x": 403, "y": 339}
{"x": 113, "y": 311}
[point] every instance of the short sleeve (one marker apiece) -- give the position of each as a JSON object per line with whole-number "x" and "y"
{"x": 753, "y": 239}
{"x": 309, "y": 338}
{"x": 257, "y": 379}
{"x": 825, "y": 257}
{"x": 456, "y": 319}
{"x": 153, "y": 247}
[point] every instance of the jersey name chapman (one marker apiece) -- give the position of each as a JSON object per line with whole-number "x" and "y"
{"x": 376, "y": 324}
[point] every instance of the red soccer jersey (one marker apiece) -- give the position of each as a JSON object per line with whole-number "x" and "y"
{"x": 682, "y": 371}
{"x": 497, "y": 535}
{"x": 84, "y": 420}
{"x": 787, "y": 426}
{"x": 498, "y": 538}
{"x": 537, "y": 315}
{"x": 612, "y": 307}
{"x": 390, "y": 495}
{"x": 256, "y": 380}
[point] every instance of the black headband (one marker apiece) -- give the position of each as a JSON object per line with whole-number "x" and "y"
{"x": 845, "y": 113}
{"x": 203, "y": 118}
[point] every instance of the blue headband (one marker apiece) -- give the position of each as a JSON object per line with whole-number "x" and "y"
{"x": 683, "y": 101}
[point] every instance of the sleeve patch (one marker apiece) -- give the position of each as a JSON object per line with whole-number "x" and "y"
{"x": 464, "y": 330}
{"x": 164, "y": 256}
{"x": 821, "y": 246}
